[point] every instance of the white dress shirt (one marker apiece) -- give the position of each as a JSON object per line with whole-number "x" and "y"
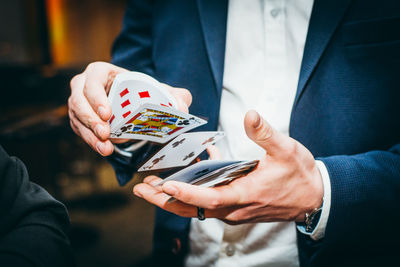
{"x": 264, "y": 48}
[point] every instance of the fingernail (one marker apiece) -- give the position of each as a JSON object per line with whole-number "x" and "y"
{"x": 257, "y": 121}
{"x": 169, "y": 189}
{"x": 99, "y": 129}
{"x": 100, "y": 147}
{"x": 101, "y": 111}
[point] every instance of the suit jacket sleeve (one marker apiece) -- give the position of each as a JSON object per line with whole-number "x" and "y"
{"x": 133, "y": 47}
{"x": 365, "y": 194}
{"x": 133, "y": 50}
{"x": 33, "y": 225}
{"x": 364, "y": 204}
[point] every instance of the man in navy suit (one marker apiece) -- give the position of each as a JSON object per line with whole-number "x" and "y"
{"x": 344, "y": 115}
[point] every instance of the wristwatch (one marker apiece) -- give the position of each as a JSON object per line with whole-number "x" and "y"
{"x": 312, "y": 219}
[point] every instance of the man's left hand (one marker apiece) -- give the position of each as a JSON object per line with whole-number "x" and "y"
{"x": 284, "y": 186}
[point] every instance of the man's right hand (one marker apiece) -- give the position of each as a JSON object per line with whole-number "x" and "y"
{"x": 89, "y": 108}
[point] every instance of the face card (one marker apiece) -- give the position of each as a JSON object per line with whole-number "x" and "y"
{"x": 156, "y": 123}
{"x": 197, "y": 170}
{"x": 182, "y": 150}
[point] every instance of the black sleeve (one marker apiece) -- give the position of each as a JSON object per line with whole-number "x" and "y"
{"x": 33, "y": 225}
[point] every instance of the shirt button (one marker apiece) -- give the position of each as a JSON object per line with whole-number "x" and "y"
{"x": 275, "y": 12}
{"x": 230, "y": 250}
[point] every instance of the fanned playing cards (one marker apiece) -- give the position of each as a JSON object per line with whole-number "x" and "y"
{"x": 143, "y": 109}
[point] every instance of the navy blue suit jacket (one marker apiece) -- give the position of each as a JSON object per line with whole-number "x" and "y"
{"x": 346, "y": 111}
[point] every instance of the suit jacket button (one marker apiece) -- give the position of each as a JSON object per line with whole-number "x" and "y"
{"x": 176, "y": 246}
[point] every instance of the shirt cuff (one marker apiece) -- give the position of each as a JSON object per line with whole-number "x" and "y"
{"x": 127, "y": 157}
{"x": 128, "y": 151}
{"x": 319, "y": 231}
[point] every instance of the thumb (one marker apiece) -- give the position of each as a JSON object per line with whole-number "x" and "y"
{"x": 258, "y": 130}
{"x": 182, "y": 96}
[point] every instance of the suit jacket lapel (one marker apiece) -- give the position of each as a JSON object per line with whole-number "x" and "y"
{"x": 324, "y": 20}
{"x": 213, "y": 18}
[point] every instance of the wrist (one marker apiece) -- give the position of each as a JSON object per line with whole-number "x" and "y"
{"x": 315, "y": 198}
{"x": 311, "y": 219}
{"x": 317, "y": 186}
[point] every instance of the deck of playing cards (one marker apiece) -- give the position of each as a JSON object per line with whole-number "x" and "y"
{"x": 208, "y": 173}
{"x": 143, "y": 109}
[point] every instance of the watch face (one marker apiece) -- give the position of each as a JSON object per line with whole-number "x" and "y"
{"x": 312, "y": 219}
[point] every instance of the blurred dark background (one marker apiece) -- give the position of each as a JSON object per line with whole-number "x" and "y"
{"x": 43, "y": 44}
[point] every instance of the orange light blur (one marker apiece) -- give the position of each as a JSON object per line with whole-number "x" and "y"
{"x": 57, "y": 31}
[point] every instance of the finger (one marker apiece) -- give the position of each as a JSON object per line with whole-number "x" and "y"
{"x": 96, "y": 96}
{"x": 160, "y": 199}
{"x": 99, "y": 76}
{"x": 262, "y": 133}
{"x": 83, "y": 112}
{"x": 152, "y": 194}
{"x": 105, "y": 148}
{"x": 78, "y": 104}
{"x": 214, "y": 152}
{"x": 210, "y": 198}
{"x": 152, "y": 180}
{"x": 119, "y": 141}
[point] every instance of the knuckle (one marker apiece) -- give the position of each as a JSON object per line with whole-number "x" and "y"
{"x": 86, "y": 87}
{"x": 265, "y": 134}
{"x": 74, "y": 81}
{"x": 69, "y": 102}
{"x": 94, "y": 65}
{"x": 84, "y": 118}
{"x": 72, "y": 102}
{"x": 94, "y": 96}
{"x": 182, "y": 196}
{"x": 150, "y": 179}
{"x": 91, "y": 66}
{"x": 268, "y": 132}
{"x": 88, "y": 120}
{"x": 89, "y": 94}
{"x": 71, "y": 115}
{"x": 292, "y": 148}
